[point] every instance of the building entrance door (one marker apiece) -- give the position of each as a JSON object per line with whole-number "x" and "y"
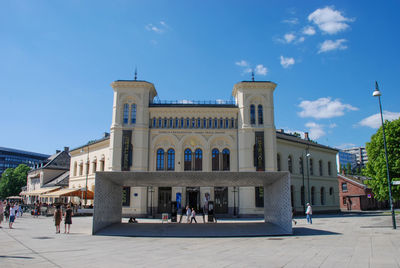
{"x": 193, "y": 197}
{"x": 221, "y": 200}
{"x": 164, "y": 199}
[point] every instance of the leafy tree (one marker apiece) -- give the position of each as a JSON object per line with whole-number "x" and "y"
{"x": 12, "y": 180}
{"x": 348, "y": 169}
{"x": 376, "y": 166}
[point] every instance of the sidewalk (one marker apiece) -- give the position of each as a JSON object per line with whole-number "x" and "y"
{"x": 340, "y": 241}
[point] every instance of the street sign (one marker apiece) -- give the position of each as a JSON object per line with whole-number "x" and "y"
{"x": 396, "y": 182}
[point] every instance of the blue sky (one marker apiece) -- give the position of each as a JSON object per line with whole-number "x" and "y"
{"x": 58, "y": 58}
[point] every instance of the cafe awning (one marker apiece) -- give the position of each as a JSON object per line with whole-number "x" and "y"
{"x": 41, "y": 191}
{"x": 70, "y": 192}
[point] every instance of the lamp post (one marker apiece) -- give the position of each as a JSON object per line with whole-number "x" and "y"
{"x": 234, "y": 200}
{"x": 378, "y": 94}
{"x": 87, "y": 173}
{"x": 151, "y": 190}
{"x": 308, "y": 176}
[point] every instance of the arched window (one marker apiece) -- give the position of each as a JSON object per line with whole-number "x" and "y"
{"x": 126, "y": 113}
{"x": 193, "y": 123}
{"x": 252, "y": 114}
{"x": 188, "y": 159}
{"x": 232, "y": 122}
{"x": 187, "y": 122}
{"x": 322, "y": 196}
{"x": 225, "y": 159}
{"x": 204, "y": 122}
{"x": 226, "y": 123}
{"x": 301, "y": 168}
{"x": 331, "y": 191}
{"x": 154, "y": 122}
{"x": 320, "y": 167}
{"x": 102, "y": 164}
{"x": 260, "y": 114}
{"x": 165, "y": 125}
{"x": 210, "y": 123}
{"x": 94, "y": 166}
{"x": 133, "y": 113}
{"x": 176, "y": 123}
{"x": 182, "y": 124}
{"x": 171, "y": 159}
{"x": 159, "y": 123}
{"x": 198, "y": 159}
{"x": 329, "y": 169}
{"x": 311, "y": 167}
{"x": 302, "y": 196}
{"x": 198, "y": 123}
{"x": 215, "y": 159}
{"x": 313, "y": 195}
{"x": 215, "y": 123}
{"x": 75, "y": 168}
{"x": 171, "y": 123}
{"x": 160, "y": 159}
{"x": 278, "y": 161}
{"x": 290, "y": 164}
{"x": 221, "y": 123}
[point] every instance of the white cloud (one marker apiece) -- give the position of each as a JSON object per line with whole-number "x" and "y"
{"x": 345, "y": 146}
{"x": 185, "y": 101}
{"x": 309, "y": 30}
{"x": 316, "y": 130}
{"x": 157, "y": 29}
{"x": 291, "y": 21}
{"x": 374, "y": 121}
{"x": 261, "y": 70}
{"x": 324, "y": 108}
{"x": 329, "y": 20}
{"x": 242, "y": 63}
{"x": 329, "y": 45}
{"x": 287, "y": 62}
{"x": 247, "y": 70}
{"x": 289, "y": 37}
{"x": 301, "y": 39}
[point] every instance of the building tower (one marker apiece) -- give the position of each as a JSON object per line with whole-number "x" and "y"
{"x": 256, "y": 127}
{"x": 129, "y": 131}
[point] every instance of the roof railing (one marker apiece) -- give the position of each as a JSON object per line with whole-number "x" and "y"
{"x": 195, "y": 102}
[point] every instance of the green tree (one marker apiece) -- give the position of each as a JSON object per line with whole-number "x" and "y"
{"x": 376, "y": 166}
{"x": 12, "y": 180}
{"x": 348, "y": 169}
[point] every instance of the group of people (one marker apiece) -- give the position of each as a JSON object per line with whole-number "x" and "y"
{"x": 10, "y": 210}
{"x": 58, "y": 216}
{"x": 190, "y": 215}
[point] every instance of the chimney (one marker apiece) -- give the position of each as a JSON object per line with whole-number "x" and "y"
{"x": 306, "y": 136}
{"x": 66, "y": 149}
{"x": 106, "y": 134}
{"x": 57, "y": 151}
{"x": 281, "y": 130}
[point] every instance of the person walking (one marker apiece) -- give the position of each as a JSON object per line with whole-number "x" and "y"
{"x": 68, "y": 218}
{"x": 57, "y": 218}
{"x": 7, "y": 211}
{"x": 1, "y": 212}
{"x": 193, "y": 216}
{"x": 188, "y": 213}
{"x": 309, "y": 213}
{"x": 12, "y": 215}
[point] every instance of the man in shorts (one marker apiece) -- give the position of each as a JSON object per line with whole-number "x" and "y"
{"x": 12, "y": 215}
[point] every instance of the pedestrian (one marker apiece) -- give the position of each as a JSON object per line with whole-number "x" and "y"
{"x": 20, "y": 210}
{"x": 68, "y": 218}
{"x": 12, "y": 215}
{"x": 1, "y": 212}
{"x": 293, "y": 212}
{"x": 193, "y": 216}
{"x": 7, "y": 211}
{"x": 309, "y": 213}
{"x": 188, "y": 213}
{"x": 57, "y": 218}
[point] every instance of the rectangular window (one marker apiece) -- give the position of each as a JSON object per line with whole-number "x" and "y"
{"x": 126, "y": 196}
{"x": 259, "y": 197}
{"x": 344, "y": 187}
{"x": 126, "y": 113}
{"x": 210, "y": 123}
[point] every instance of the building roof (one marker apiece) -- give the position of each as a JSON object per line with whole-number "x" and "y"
{"x": 290, "y": 137}
{"x": 30, "y": 154}
{"x": 105, "y": 137}
{"x": 353, "y": 180}
{"x": 61, "y": 180}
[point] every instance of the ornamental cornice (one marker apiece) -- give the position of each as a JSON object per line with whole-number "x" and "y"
{"x": 253, "y": 85}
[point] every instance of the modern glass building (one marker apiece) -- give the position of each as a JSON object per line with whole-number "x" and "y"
{"x": 11, "y": 158}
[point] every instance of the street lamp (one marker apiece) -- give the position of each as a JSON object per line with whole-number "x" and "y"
{"x": 378, "y": 94}
{"x": 87, "y": 172}
{"x": 151, "y": 190}
{"x": 308, "y": 176}
{"x": 234, "y": 200}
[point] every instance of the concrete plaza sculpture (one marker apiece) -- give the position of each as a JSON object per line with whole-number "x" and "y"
{"x": 108, "y": 197}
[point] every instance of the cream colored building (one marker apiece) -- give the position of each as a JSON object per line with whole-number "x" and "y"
{"x": 146, "y": 135}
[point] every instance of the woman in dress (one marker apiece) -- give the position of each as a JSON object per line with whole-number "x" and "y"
{"x": 68, "y": 219}
{"x": 57, "y": 218}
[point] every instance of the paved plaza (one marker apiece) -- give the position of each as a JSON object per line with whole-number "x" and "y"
{"x": 350, "y": 240}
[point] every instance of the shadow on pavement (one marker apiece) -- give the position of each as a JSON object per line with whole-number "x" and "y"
{"x": 303, "y": 231}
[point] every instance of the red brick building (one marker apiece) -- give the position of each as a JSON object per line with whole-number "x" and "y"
{"x": 355, "y": 195}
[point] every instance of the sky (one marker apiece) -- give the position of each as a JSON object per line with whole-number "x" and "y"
{"x": 58, "y": 59}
